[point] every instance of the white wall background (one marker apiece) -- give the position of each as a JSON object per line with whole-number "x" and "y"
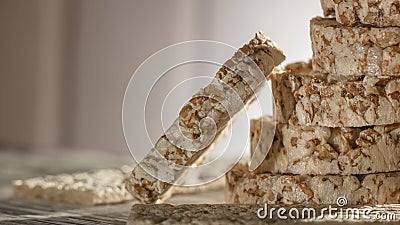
{"x": 79, "y": 55}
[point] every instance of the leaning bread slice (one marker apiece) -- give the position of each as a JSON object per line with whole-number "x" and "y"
{"x": 203, "y": 119}
{"x": 317, "y": 150}
{"x": 248, "y": 188}
{"x": 378, "y": 13}
{"x": 308, "y": 99}
{"x": 354, "y": 51}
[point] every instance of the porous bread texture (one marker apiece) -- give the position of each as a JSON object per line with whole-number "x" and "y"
{"x": 377, "y": 13}
{"x": 344, "y": 51}
{"x": 305, "y": 98}
{"x": 317, "y": 150}
{"x": 244, "y": 187}
{"x": 328, "y": 7}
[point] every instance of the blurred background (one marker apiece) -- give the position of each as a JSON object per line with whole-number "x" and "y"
{"x": 65, "y": 64}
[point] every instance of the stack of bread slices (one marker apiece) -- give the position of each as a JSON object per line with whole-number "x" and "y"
{"x": 337, "y": 118}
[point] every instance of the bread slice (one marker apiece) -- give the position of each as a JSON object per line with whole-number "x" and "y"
{"x": 203, "y": 119}
{"x": 308, "y": 99}
{"x": 317, "y": 150}
{"x": 378, "y": 13}
{"x": 248, "y": 188}
{"x": 99, "y": 187}
{"x": 354, "y": 51}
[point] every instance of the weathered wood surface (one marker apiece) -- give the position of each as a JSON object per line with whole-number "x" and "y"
{"x": 221, "y": 214}
{"x": 21, "y": 211}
